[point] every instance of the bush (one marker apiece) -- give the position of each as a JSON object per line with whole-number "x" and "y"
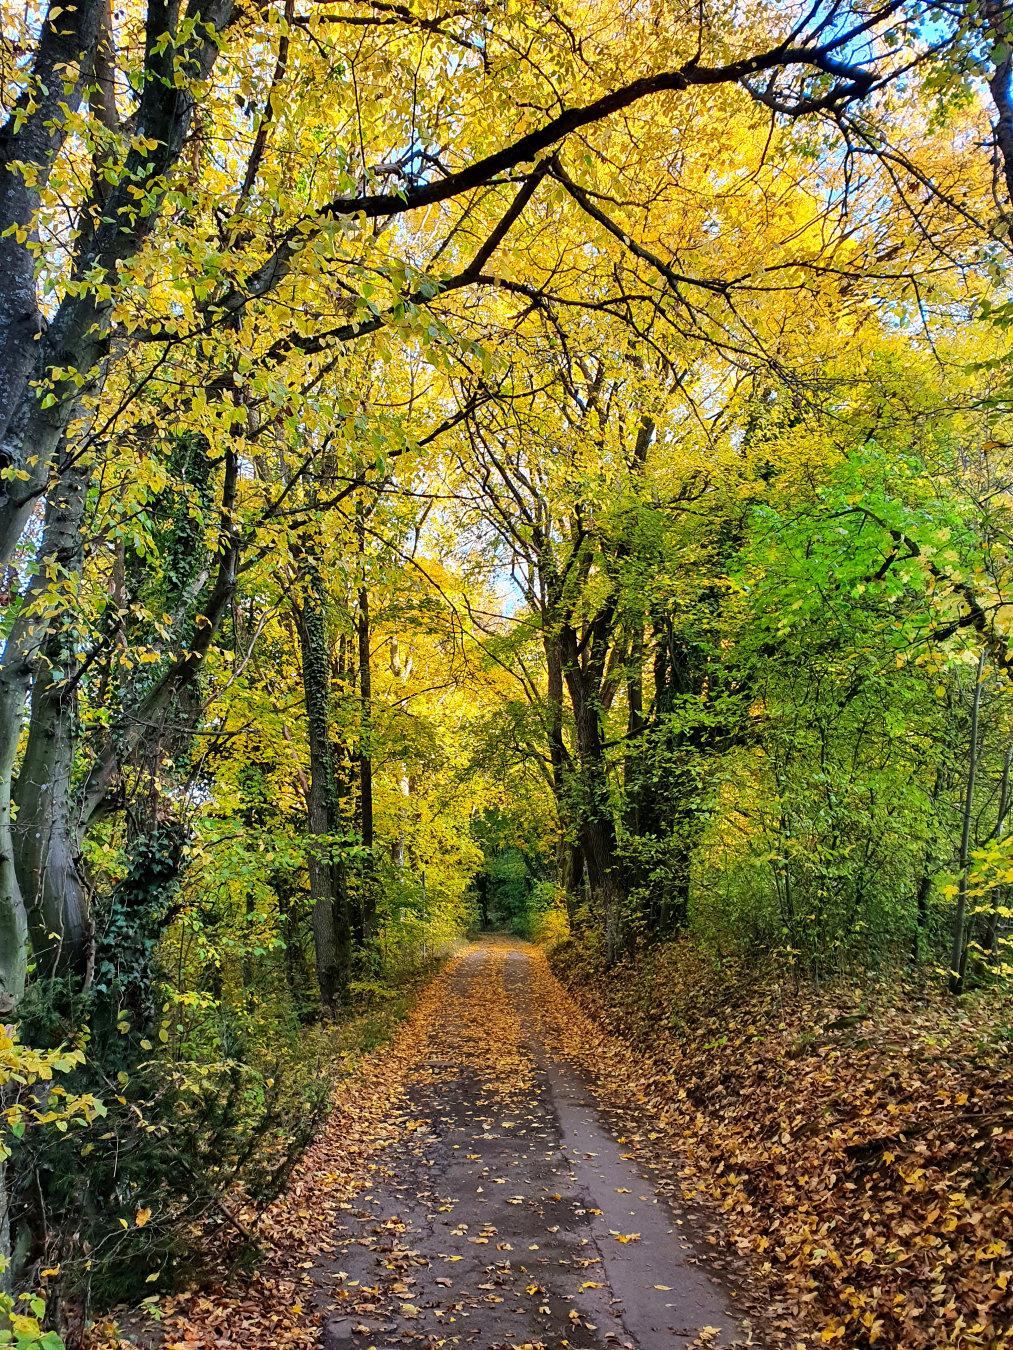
{"x": 190, "y": 1149}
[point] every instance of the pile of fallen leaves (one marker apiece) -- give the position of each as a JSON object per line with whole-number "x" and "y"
{"x": 481, "y": 1027}
{"x": 858, "y": 1141}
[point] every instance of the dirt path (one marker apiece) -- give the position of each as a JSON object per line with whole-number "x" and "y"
{"x": 506, "y": 1214}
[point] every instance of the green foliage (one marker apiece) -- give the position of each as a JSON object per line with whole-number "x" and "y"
{"x": 22, "y": 1324}
{"x": 39, "y": 1107}
{"x": 515, "y": 891}
{"x": 186, "y": 1136}
{"x": 34, "y": 1092}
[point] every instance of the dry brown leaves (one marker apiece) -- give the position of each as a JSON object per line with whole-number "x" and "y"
{"x": 482, "y": 1028}
{"x": 858, "y": 1147}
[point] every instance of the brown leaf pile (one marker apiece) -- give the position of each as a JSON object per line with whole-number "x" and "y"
{"x": 859, "y": 1143}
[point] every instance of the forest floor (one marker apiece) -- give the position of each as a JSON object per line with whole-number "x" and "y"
{"x": 669, "y": 1153}
{"x": 467, "y": 1191}
{"x": 855, "y": 1136}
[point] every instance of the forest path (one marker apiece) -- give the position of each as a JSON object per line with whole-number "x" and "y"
{"x": 506, "y": 1214}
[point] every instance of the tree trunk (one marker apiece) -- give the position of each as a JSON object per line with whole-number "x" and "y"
{"x": 53, "y": 814}
{"x": 663, "y": 782}
{"x": 990, "y": 940}
{"x": 634, "y": 730}
{"x": 958, "y": 950}
{"x": 367, "y": 901}
{"x": 921, "y": 908}
{"x": 59, "y": 550}
{"x": 15, "y": 676}
{"x": 365, "y": 700}
{"x": 402, "y": 670}
{"x": 332, "y": 937}
{"x": 46, "y": 834}
{"x": 924, "y": 888}
{"x": 40, "y": 889}
{"x": 6, "y": 1272}
{"x": 597, "y": 830}
{"x": 482, "y": 890}
{"x": 32, "y": 136}
{"x": 77, "y": 338}
{"x": 570, "y": 867}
